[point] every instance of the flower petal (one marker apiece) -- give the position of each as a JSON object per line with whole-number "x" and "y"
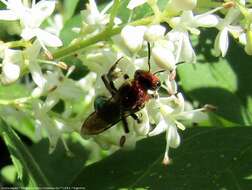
{"x": 37, "y": 75}
{"x": 173, "y": 137}
{"x": 42, "y": 10}
{"x": 223, "y": 41}
{"x": 28, "y": 33}
{"x": 187, "y": 51}
{"x": 11, "y": 66}
{"x": 207, "y": 20}
{"x": 48, "y": 39}
{"x": 133, "y": 37}
{"x": 154, "y": 32}
{"x": 163, "y": 57}
{"x": 160, "y": 128}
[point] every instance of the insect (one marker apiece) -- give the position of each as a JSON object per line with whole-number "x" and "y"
{"x": 124, "y": 102}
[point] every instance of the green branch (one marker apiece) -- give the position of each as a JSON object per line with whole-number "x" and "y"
{"x": 66, "y": 51}
{"x": 22, "y": 157}
{"x": 102, "y": 36}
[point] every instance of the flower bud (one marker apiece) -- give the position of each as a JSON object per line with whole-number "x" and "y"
{"x": 248, "y": 47}
{"x": 133, "y": 37}
{"x": 11, "y": 66}
{"x": 154, "y": 32}
{"x": 163, "y": 57}
{"x": 183, "y": 5}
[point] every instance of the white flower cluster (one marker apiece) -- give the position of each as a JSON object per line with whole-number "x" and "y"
{"x": 30, "y": 19}
{"x": 165, "y": 112}
{"x": 48, "y": 79}
{"x": 168, "y": 48}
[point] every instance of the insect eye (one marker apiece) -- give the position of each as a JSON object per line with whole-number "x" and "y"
{"x": 137, "y": 74}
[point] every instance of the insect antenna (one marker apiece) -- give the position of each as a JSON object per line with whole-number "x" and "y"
{"x": 160, "y": 71}
{"x": 149, "y": 55}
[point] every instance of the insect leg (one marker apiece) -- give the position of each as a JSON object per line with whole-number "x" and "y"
{"x": 149, "y": 55}
{"x": 107, "y": 84}
{"x": 111, "y": 74}
{"x": 112, "y": 69}
{"x": 135, "y": 117}
{"x": 125, "y": 124}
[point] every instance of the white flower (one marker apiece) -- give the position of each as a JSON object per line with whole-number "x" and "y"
{"x": 171, "y": 111}
{"x": 179, "y": 34}
{"x": 133, "y": 37}
{"x": 43, "y": 121}
{"x": 58, "y": 87}
{"x": 94, "y": 16}
{"x": 163, "y": 56}
{"x": 53, "y": 126}
{"x": 31, "y": 19}
{"x": 30, "y": 60}
{"x": 15, "y": 60}
{"x": 225, "y": 26}
{"x": 11, "y": 66}
{"x": 154, "y": 32}
{"x": 95, "y": 20}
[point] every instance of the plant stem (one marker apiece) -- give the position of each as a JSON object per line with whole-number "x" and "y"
{"x": 15, "y": 101}
{"x": 66, "y": 51}
{"x": 19, "y": 43}
{"x": 104, "y": 35}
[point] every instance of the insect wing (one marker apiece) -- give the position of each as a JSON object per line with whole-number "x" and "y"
{"x": 95, "y": 124}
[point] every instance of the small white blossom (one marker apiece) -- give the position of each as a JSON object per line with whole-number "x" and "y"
{"x": 163, "y": 56}
{"x": 179, "y": 35}
{"x": 94, "y": 20}
{"x": 133, "y": 37}
{"x": 30, "y": 59}
{"x": 171, "y": 111}
{"x": 31, "y": 19}
{"x": 225, "y": 26}
{"x": 11, "y": 66}
{"x": 43, "y": 121}
{"x": 154, "y": 32}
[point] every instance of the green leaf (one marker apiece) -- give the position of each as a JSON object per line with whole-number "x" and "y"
{"x": 67, "y": 34}
{"x": 17, "y": 118}
{"x": 208, "y": 158}
{"x": 69, "y": 8}
{"x": 222, "y": 82}
{"x": 60, "y": 166}
{"x": 20, "y": 121}
{"x": 13, "y": 91}
{"x": 27, "y": 168}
